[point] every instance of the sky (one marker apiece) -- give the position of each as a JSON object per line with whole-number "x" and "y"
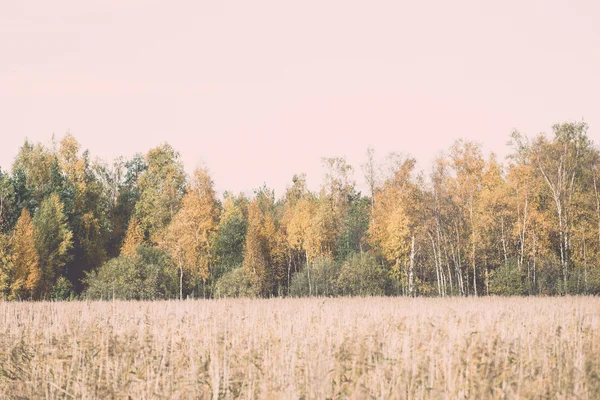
{"x": 258, "y": 91}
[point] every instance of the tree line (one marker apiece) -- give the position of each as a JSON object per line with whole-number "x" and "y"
{"x": 141, "y": 228}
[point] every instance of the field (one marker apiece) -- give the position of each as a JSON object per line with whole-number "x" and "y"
{"x": 303, "y": 348}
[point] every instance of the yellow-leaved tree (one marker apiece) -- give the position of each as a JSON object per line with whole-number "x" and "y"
{"x": 133, "y": 238}
{"x": 495, "y": 220}
{"x": 188, "y": 236}
{"x": 468, "y": 166}
{"x": 74, "y": 168}
{"x": 28, "y": 275}
{"x": 255, "y": 257}
{"x": 265, "y": 248}
{"x": 35, "y": 162}
{"x": 395, "y": 220}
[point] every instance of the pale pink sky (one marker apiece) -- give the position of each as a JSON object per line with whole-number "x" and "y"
{"x": 260, "y": 90}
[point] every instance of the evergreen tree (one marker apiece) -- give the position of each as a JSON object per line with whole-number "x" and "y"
{"x": 53, "y": 241}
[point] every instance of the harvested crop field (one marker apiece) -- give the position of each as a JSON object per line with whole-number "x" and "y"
{"x": 302, "y": 348}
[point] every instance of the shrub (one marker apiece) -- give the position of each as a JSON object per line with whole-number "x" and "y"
{"x": 318, "y": 278}
{"x": 593, "y": 286}
{"x": 63, "y": 289}
{"x": 361, "y": 275}
{"x": 549, "y": 278}
{"x": 235, "y": 283}
{"x": 148, "y": 275}
{"x": 507, "y": 280}
{"x": 160, "y": 276}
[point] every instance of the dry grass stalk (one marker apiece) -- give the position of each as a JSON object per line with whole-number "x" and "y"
{"x": 302, "y": 348}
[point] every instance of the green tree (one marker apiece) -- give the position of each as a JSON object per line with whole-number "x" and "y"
{"x": 83, "y": 197}
{"x": 354, "y": 228}
{"x": 161, "y": 188}
{"x": 23, "y": 198}
{"x": 7, "y": 267}
{"x": 123, "y": 193}
{"x": 7, "y": 202}
{"x": 53, "y": 241}
{"x": 230, "y": 237}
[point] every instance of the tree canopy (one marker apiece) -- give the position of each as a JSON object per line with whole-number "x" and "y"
{"x": 467, "y": 225}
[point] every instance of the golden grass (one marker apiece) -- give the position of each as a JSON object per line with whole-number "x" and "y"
{"x": 303, "y": 348}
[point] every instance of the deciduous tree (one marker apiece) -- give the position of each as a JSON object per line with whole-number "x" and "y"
{"x": 161, "y": 187}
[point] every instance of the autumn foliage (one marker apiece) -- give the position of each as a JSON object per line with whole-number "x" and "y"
{"x": 469, "y": 224}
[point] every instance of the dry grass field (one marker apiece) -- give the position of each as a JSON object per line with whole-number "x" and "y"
{"x": 382, "y": 348}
